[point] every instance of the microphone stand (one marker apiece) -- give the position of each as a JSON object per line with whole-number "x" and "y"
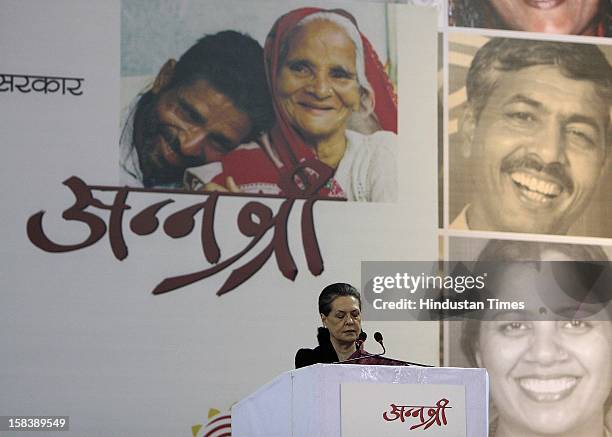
{"x": 409, "y": 363}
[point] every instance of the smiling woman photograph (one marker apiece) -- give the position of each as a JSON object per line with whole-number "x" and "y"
{"x": 547, "y": 377}
{"x": 550, "y": 372}
{"x": 571, "y": 17}
{"x": 323, "y": 74}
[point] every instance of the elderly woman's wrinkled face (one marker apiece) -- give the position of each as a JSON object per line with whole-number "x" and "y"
{"x": 344, "y": 319}
{"x": 317, "y": 82}
{"x": 571, "y": 17}
{"x": 547, "y": 377}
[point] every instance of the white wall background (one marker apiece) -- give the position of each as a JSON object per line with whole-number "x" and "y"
{"x": 80, "y": 333}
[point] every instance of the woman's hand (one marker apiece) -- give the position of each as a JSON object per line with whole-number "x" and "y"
{"x": 230, "y": 186}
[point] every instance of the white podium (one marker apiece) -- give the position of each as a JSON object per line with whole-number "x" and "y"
{"x": 307, "y": 402}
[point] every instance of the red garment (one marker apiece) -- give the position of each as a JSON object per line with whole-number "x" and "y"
{"x": 367, "y": 359}
{"x": 299, "y": 172}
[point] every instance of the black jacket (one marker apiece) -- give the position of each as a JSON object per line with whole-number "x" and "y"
{"x": 323, "y": 353}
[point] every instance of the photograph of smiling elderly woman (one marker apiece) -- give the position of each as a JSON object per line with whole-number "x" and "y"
{"x": 322, "y": 72}
{"x": 550, "y": 376}
{"x": 571, "y": 17}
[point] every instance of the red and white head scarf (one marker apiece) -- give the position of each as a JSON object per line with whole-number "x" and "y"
{"x": 301, "y": 172}
{"x": 283, "y": 163}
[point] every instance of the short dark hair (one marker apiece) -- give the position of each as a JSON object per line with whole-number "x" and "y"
{"x": 514, "y": 250}
{"x": 332, "y": 291}
{"x": 576, "y": 61}
{"x": 233, "y": 64}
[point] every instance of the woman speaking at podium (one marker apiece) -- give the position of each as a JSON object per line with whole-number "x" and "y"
{"x": 340, "y": 311}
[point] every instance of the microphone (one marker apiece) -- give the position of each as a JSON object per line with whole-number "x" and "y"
{"x": 360, "y": 340}
{"x": 379, "y": 339}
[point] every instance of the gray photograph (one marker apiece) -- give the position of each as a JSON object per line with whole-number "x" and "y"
{"x": 529, "y": 136}
{"x": 547, "y": 377}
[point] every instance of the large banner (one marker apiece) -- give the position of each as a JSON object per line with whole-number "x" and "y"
{"x": 183, "y": 178}
{"x": 137, "y": 298}
{"x": 524, "y": 165}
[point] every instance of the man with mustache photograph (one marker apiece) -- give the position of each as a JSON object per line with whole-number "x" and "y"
{"x": 534, "y": 134}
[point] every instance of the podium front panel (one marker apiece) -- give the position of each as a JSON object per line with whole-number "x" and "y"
{"x": 310, "y": 398}
{"x": 267, "y": 412}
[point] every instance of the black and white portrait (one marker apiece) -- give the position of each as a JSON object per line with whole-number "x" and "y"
{"x": 529, "y": 136}
{"x": 550, "y": 371}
